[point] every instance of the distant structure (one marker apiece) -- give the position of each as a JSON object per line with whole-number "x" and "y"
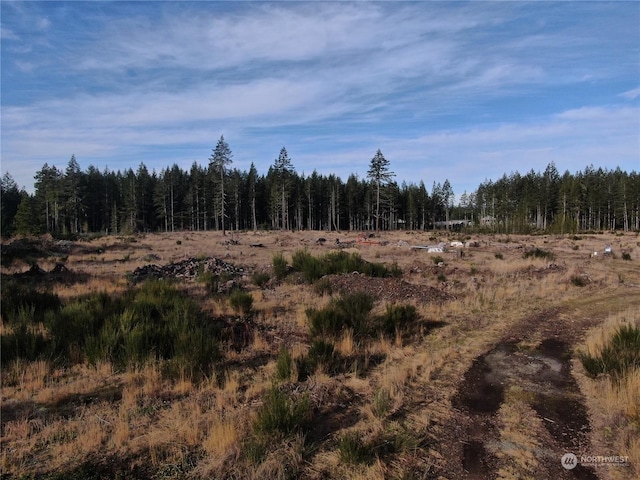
{"x": 453, "y": 224}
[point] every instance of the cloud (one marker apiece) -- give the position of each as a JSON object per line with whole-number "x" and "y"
{"x": 8, "y": 34}
{"x": 159, "y": 81}
{"x": 631, "y": 94}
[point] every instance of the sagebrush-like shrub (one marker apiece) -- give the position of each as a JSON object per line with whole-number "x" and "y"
{"x": 260, "y": 278}
{"x": 539, "y": 253}
{"x": 353, "y": 450}
{"x": 398, "y": 318}
{"x": 347, "y": 312}
{"x": 284, "y": 364}
{"x": 619, "y": 356}
{"x": 281, "y": 414}
{"x": 280, "y": 266}
{"x": 241, "y": 302}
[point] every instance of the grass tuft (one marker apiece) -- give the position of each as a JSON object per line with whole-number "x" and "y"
{"x": 618, "y": 357}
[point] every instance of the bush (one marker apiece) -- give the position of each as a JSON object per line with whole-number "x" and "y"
{"x": 437, "y": 259}
{"x": 347, "y": 312}
{"x": 353, "y": 450}
{"x": 24, "y": 341}
{"x": 16, "y": 296}
{"x": 260, "y": 278}
{"x": 241, "y": 302}
{"x": 323, "y": 287}
{"x": 539, "y": 253}
{"x": 282, "y": 415}
{"x": 321, "y": 353}
{"x": 310, "y": 266}
{"x": 211, "y": 282}
{"x": 499, "y": 256}
{"x": 284, "y": 364}
{"x": 314, "y": 268}
{"x": 619, "y": 356}
{"x": 626, "y": 256}
{"x": 398, "y": 318}
{"x": 154, "y": 321}
{"x": 280, "y": 266}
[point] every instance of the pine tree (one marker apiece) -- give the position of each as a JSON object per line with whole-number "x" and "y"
{"x": 379, "y": 174}
{"x": 25, "y": 222}
{"x": 282, "y": 169}
{"x": 218, "y": 161}
{"x": 10, "y": 198}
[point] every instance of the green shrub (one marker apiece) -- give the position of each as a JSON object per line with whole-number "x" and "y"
{"x": 441, "y": 277}
{"x": 310, "y": 266}
{"x": 16, "y": 296}
{"x": 353, "y": 450}
{"x": 619, "y": 356}
{"x": 539, "y": 253}
{"x": 347, "y": 312}
{"x": 24, "y": 341}
{"x": 241, "y": 302}
{"x": 314, "y": 268}
{"x": 325, "y": 322}
{"x": 284, "y": 364}
{"x": 437, "y": 259}
{"x": 321, "y": 353}
{"x": 398, "y": 318}
{"x": 211, "y": 282}
{"x": 499, "y": 256}
{"x": 280, "y": 266}
{"x": 626, "y": 256}
{"x": 154, "y": 321}
{"x": 323, "y": 286}
{"x": 260, "y": 278}
{"x": 282, "y": 415}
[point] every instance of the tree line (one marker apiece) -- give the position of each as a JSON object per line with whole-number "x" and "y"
{"x": 219, "y": 197}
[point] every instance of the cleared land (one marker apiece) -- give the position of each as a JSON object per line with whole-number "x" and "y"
{"x": 464, "y": 366}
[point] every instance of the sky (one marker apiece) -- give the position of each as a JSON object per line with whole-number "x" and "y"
{"x": 458, "y": 91}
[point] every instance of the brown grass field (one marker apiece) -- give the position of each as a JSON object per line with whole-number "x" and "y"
{"x": 487, "y": 385}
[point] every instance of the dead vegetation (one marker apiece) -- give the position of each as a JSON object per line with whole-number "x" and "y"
{"x": 282, "y": 400}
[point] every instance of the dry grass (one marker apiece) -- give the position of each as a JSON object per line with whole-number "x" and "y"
{"x": 614, "y": 406}
{"x": 55, "y": 418}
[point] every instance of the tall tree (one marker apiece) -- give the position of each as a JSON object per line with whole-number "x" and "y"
{"x": 379, "y": 174}
{"x": 252, "y": 179}
{"x": 73, "y": 194}
{"x": 283, "y": 169}
{"x": 10, "y": 198}
{"x": 218, "y": 161}
{"x": 25, "y": 222}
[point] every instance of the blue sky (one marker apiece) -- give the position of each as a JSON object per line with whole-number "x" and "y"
{"x": 464, "y": 91}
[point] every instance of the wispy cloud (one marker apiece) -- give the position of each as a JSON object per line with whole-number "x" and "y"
{"x": 505, "y": 84}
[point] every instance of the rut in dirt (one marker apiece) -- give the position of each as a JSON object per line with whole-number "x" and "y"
{"x": 544, "y": 375}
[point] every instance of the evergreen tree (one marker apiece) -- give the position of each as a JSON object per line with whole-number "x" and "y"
{"x": 10, "y": 198}
{"x": 283, "y": 170}
{"x": 218, "y": 161}
{"x": 380, "y": 175}
{"x": 25, "y": 222}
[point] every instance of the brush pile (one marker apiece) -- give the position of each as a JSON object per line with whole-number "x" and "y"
{"x": 187, "y": 269}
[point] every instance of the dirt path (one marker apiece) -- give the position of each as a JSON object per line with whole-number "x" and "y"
{"x": 518, "y": 408}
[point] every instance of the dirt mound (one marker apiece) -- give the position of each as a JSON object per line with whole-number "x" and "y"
{"x": 386, "y": 289}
